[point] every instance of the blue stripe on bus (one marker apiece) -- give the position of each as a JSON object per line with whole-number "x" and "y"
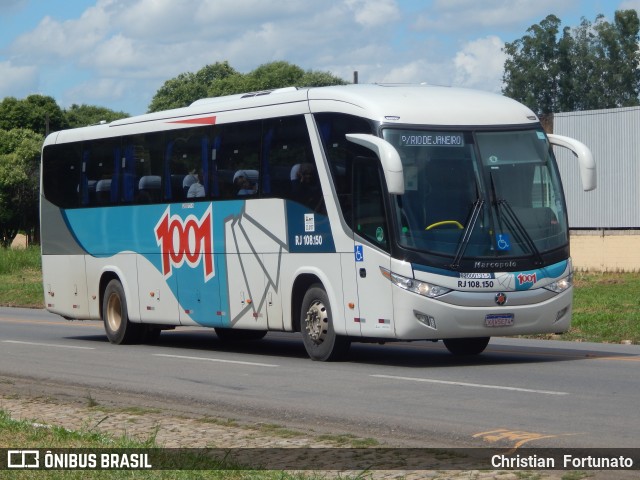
{"x": 160, "y": 232}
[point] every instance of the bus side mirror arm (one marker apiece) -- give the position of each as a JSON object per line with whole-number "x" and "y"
{"x": 588, "y": 173}
{"x": 389, "y": 158}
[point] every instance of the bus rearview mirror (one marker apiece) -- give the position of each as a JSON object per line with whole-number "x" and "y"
{"x": 389, "y": 159}
{"x": 586, "y": 161}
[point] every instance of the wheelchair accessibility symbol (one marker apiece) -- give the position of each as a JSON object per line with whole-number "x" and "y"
{"x": 359, "y": 253}
{"x": 503, "y": 242}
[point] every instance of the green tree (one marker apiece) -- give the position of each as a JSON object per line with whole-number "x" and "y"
{"x": 19, "y": 180}
{"x": 532, "y": 66}
{"x": 221, "y": 79}
{"x": 83, "y": 115}
{"x": 616, "y": 53}
{"x": 36, "y": 112}
{"x": 184, "y": 89}
{"x": 594, "y": 65}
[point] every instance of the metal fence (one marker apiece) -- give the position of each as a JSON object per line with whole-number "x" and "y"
{"x": 613, "y": 135}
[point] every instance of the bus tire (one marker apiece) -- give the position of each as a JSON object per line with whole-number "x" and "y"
{"x": 466, "y": 346}
{"x": 116, "y": 317}
{"x": 230, "y": 335}
{"x": 316, "y": 326}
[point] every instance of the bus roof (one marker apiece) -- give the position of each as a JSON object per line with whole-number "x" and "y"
{"x": 423, "y": 104}
{"x": 402, "y": 104}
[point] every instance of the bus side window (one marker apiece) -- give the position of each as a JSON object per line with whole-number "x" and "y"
{"x": 239, "y": 150}
{"x": 341, "y": 153}
{"x": 369, "y": 217}
{"x": 99, "y": 169}
{"x": 287, "y": 147}
{"x": 61, "y": 175}
{"x": 186, "y": 162}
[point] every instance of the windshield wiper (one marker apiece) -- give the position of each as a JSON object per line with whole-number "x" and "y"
{"x": 514, "y": 224}
{"x": 512, "y": 217}
{"x": 466, "y": 235}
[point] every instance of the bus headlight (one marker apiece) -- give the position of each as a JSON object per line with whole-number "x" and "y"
{"x": 421, "y": 288}
{"x": 561, "y": 285}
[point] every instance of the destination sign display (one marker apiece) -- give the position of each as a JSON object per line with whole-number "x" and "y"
{"x": 432, "y": 139}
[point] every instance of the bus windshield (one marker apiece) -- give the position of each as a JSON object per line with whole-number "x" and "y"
{"x": 482, "y": 194}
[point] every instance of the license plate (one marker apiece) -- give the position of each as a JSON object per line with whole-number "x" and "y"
{"x": 498, "y": 320}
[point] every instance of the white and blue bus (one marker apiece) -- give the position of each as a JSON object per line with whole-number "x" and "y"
{"x": 347, "y": 213}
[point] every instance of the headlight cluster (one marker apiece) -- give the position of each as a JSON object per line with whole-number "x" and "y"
{"x": 561, "y": 285}
{"x": 421, "y": 288}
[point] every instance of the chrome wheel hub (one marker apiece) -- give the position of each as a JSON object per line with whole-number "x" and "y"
{"x": 317, "y": 322}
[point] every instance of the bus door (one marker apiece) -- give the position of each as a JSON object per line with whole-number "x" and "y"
{"x": 371, "y": 246}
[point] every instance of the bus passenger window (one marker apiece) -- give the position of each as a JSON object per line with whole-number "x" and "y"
{"x": 239, "y": 151}
{"x": 102, "y": 161}
{"x": 61, "y": 175}
{"x": 286, "y": 146}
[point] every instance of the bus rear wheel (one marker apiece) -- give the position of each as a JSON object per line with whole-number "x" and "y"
{"x": 116, "y": 317}
{"x": 466, "y": 346}
{"x": 316, "y": 326}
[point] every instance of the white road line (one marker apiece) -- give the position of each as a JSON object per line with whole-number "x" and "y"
{"x": 475, "y": 385}
{"x": 17, "y": 342}
{"x": 218, "y": 360}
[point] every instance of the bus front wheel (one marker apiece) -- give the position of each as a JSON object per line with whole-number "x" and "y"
{"x": 466, "y": 346}
{"x": 316, "y": 326}
{"x": 116, "y": 317}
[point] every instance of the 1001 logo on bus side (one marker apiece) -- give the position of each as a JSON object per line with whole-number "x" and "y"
{"x": 186, "y": 240}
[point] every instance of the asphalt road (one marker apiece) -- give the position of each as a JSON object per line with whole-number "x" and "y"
{"x": 520, "y": 393}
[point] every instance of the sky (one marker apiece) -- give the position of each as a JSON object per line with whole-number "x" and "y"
{"x": 118, "y": 53}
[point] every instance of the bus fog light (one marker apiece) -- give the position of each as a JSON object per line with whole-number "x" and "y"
{"x": 561, "y": 314}
{"x": 426, "y": 320}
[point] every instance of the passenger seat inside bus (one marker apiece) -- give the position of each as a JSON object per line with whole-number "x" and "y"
{"x": 149, "y": 190}
{"x": 103, "y": 191}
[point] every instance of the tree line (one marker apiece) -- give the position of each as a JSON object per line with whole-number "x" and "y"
{"x": 590, "y": 66}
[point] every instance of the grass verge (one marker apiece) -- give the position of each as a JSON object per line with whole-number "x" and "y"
{"x": 25, "y": 435}
{"x": 606, "y": 308}
{"x": 21, "y": 278}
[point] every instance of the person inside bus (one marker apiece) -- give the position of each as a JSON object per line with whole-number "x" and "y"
{"x": 189, "y": 180}
{"x": 196, "y": 189}
{"x": 306, "y": 188}
{"x": 243, "y": 183}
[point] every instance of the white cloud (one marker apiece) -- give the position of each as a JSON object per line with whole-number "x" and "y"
{"x": 52, "y": 39}
{"x": 629, "y": 5}
{"x": 480, "y": 64}
{"x": 416, "y": 71}
{"x": 104, "y": 90}
{"x": 143, "y": 43}
{"x": 16, "y": 80}
{"x": 373, "y": 13}
{"x": 11, "y": 6}
{"x": 445, "y": 15}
